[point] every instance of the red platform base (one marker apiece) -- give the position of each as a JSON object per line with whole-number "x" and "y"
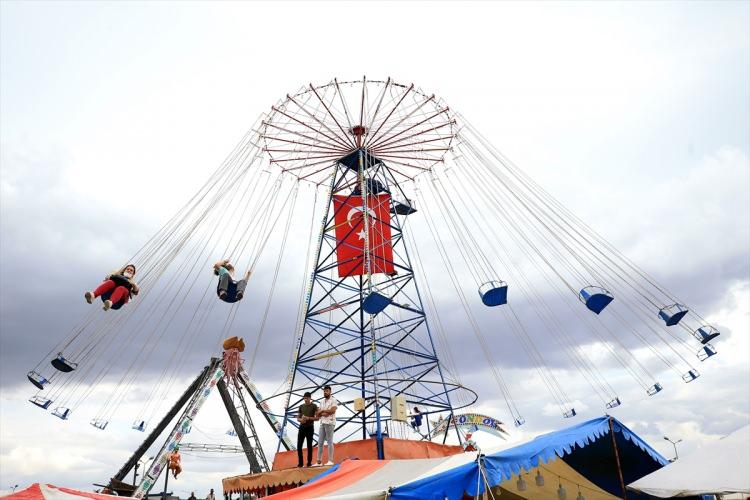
{"x": 366, "y": 449}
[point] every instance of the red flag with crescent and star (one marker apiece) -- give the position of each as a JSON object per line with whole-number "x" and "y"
{"x": 349, "y": 221}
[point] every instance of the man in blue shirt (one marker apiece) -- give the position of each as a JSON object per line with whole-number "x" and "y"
{"x": 416, "y": 419}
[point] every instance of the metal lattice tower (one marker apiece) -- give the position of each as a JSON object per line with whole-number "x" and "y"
{"x": 375, "y": 357}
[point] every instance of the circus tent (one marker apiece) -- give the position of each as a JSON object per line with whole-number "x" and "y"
{"x": 39, "y": 491}
{"x": 707, "y": 471}
{"x": 587, "y": 460}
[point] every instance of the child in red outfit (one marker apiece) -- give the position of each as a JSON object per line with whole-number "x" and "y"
{"x": 116, "y": 289}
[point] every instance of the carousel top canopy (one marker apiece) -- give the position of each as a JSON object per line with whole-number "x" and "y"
{"x": 378, "y": 120}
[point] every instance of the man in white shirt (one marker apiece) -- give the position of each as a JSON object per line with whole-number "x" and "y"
{"x": 327, "y": 415}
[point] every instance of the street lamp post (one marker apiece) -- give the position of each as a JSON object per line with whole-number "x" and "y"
{"x": 166, "y": 481}
{"x": 135, "y": 470}
{"x": 674, "y": 443}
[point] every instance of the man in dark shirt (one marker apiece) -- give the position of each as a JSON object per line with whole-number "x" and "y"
{"x": 306, "y": 418}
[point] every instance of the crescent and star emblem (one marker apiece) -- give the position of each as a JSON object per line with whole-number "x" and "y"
{"x": 354, "y": 211}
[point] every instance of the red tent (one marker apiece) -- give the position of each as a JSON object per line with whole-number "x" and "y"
{"x": 39, "y": 491}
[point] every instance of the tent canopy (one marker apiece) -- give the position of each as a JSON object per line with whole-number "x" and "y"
{"x": 38, "y": 491}
{"x": 579, "y": 455}
{"x": 709, "y": 470}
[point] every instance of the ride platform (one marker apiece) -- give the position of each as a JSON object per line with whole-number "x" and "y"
{"x": 286, "y": 475}
{"x": 366, "y": 449}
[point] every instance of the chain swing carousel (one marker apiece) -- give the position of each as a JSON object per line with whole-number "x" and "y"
{"x": 409, "y": 222}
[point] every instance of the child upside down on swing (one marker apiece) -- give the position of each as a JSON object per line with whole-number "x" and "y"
{"x": 229, "y": 290}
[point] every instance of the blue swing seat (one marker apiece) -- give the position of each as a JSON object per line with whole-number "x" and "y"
{"x": 494, "y": 293}
{"x": 614, "y": 403}
{"x": 99, "y": 423}
{"x": 654, "y": 389}
{"x": 673, "y": 314}
{"x": 690, "y": 375}
{"x": 706, "y": 334}
{"x": 41, "y": 402}
{"x": 519, "y": 421}
{"x": 596, "y": 298}
{"x": 37, "y": 379}
{"x": 570, "y": 413}
{"x": 706, "y": 352}
{"x": 139, "y": 425}
{"x": 61, "y": 412}
{"x": 62, "y": 364}
{"x": 375, "y": 303}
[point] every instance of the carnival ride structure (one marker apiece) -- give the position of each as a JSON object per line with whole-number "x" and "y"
{"x": 394, "y": 207}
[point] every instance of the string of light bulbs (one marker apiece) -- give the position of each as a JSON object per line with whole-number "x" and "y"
{"x": 562, "y": 493}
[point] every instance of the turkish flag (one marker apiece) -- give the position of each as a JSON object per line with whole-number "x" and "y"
{"x": 350, "y": 234}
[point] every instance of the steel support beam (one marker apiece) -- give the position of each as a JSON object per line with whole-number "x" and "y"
{"x": 238, "y": 427}
{"x": 171, "y": 414}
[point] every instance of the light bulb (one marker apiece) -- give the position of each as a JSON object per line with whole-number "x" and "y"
{"x": 561, "y": 493}
{"x": 539, "y": 479}
{"x": 521, "y": 483}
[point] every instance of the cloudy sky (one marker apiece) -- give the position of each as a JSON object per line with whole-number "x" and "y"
{"x": 636, "y": 116}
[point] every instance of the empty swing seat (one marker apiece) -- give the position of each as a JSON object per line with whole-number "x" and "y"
{"x": 375, "y": 303}
{"x": 62, "y": 364}
{"x": 706, "y": 352}
{"x": 494, "y": 293}
{"x": 673, "y": 314}
{"x": 41, "y": 402}
{"x": 99, "y": 423}
{"x": 596, "y": 298}
{"x": 139, "y": 425}
{"x": 519, "y": 421}
{"x": 614, "y": 403}
{"x": 37, "y": 379}
{"x": 61, "y": 412}
{"x": 570, "y": 413}
{"x": 690, "y": 375}
{"x": 706, "y": 334}
{"x": 654, "y": 389}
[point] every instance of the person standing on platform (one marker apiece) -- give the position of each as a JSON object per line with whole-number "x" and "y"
{"x": 327, "y": 415}
{"x": 416, "y": 419}
{"x": 306, "y": 418}
{"x": 211, "y": 495}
